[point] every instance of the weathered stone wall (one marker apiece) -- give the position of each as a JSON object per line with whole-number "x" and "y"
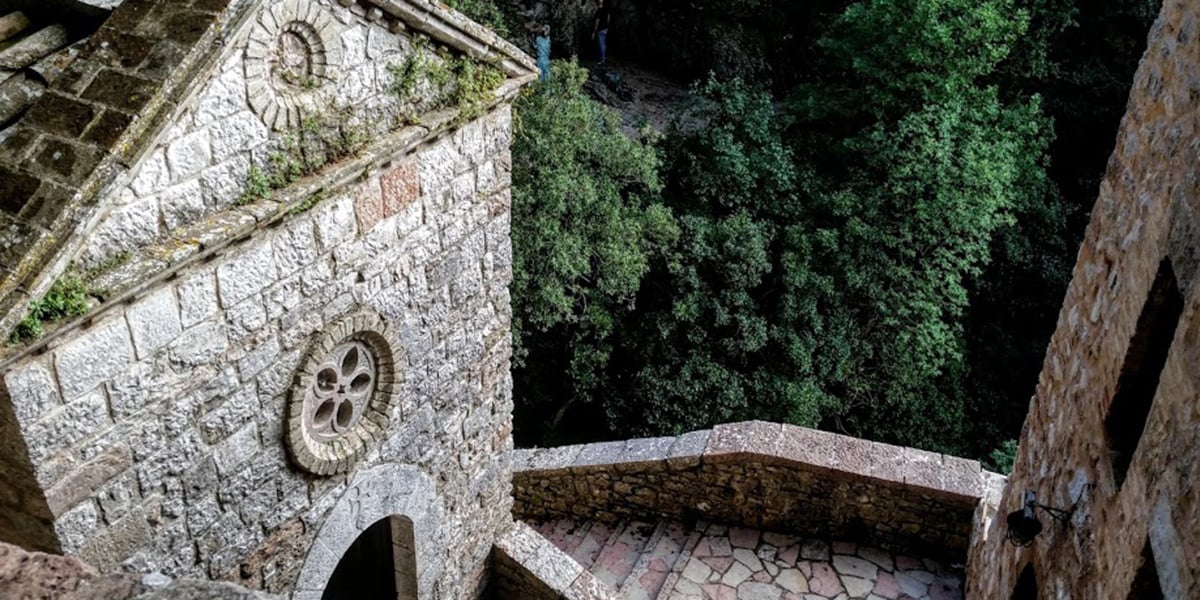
{"x": 172, "y": 429}
{"x": 157, "y": 429}
{"x": 1146, "y": 212}
{"x": 37, "y": 576}
{"x": 764, "y": 475}
{"x": 529, "y": 567}
{"x": 201, "y": 164}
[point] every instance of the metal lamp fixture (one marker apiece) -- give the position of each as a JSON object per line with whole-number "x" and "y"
{"x": 1024, "y": 526}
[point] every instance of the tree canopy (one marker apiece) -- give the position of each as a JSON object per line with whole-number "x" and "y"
{"x": 875, "y": 243}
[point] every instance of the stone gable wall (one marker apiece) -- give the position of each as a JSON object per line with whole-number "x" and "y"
{"x": 1146, "y": 211}
{"x": 764, "y": 475}
{"x": 201, "y": 164}
{"x": 156, "y": 428}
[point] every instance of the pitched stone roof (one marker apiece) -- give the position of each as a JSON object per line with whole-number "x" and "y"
{"x": 118, "y": 92}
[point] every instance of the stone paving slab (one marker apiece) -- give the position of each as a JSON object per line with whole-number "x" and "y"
{"x": 736, "y": 563}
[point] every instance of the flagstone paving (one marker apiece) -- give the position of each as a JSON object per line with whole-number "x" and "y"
{"x": 670, "y": 561}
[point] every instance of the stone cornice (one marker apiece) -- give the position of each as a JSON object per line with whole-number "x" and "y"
{"x": 457, "y": 31}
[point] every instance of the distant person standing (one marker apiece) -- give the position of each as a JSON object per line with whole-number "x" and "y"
{"x": 542, "y": 42}
{"x": 600, "y": 29}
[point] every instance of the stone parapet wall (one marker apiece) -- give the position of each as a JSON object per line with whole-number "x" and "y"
{"x": 764, "y": 475}
{"x": 1146, "y": 213}
{"x": 529, "y": 567}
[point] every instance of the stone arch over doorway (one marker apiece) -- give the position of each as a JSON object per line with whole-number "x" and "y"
{"x": 398, "y": 495}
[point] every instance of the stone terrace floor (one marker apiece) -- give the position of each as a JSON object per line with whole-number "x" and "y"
{"x": 669, "y": 561}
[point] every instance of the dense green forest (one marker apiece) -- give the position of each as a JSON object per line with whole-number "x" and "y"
{"x": 870, "y": 230}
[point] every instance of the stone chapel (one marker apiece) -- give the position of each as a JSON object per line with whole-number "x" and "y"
{"x": 254, "y": 270}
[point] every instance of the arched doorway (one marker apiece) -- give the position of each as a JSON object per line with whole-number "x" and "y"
{"x": 388, "y": 521}
{"x": 380, "y": 565}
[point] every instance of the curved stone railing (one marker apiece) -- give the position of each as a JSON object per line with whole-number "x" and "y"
{"x": 529, "y": 567}
{"x": 765, "y": 475}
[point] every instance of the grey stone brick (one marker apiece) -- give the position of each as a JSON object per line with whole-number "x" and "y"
{"x": 98, "y": 354}
{"x": 295, "y": 247}
{"x": 236, "y": 134}
{"x": 335, "y": 222}
{"x": 245, "y": 318}
{"x": 33, "y": 391}
{"x": 154, "y": 321}
{"x": 222, "y": 184}
{"x": 234, "y": 412}
{"x": 245, "y": 274}
{"x": 128, "y": 226}
{"x": 199, "y": 345}
{"x": 225, "y": 96}
{"x": 113, "y": 544}
{"x": 181, "y": 204}
{"x": 237, "y": 449}
{"x": 68, "y": 425}
{"x": 76, "y": 526}
{"x": 152, "y": 174}
{"x": 189, "y": 155}
{"x": 197, "y": 298}
{"x": 83, "y": 481}
{"x": 258, "y": 358}
{"x": 118, "y": 496}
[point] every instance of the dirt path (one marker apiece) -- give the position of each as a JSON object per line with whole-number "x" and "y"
{"x": 642, "y": 97}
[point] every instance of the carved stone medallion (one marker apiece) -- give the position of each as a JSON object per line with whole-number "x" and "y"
{"x": 342, "y": 395}
{"x": 292, "y": 56}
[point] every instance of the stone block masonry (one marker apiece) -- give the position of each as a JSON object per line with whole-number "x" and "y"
{"x": 76, "y": 139}
{"x": 1109, "y": 434}
{"x": 157, "y": 430}
{"x": 767, "y": 476}
{"x": 301, "y": 326}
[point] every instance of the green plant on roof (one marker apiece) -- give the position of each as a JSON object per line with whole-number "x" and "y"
{"x": 68, "y": 297}
{"x": 475, "y": 84}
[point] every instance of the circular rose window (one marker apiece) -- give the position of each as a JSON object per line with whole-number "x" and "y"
{"x": 342, "y": 395}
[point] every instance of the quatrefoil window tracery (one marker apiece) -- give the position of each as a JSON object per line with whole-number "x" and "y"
{"x": 343, "y": 394}
{"x": 341, "y": 390}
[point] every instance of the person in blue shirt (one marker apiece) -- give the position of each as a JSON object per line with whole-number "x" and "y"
{"x": 542, "y": 42}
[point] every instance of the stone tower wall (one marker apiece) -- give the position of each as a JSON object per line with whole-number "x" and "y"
{"x": 1147, "y": 211}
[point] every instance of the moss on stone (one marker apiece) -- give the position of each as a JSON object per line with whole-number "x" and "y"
{"x": 68, "y": 297}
